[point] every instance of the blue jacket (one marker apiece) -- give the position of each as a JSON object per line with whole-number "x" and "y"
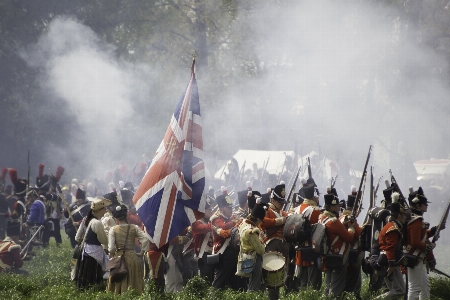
{"x": 37, "y": 212}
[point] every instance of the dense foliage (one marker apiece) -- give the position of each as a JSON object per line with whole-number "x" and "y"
{"x": 49, "y": 279}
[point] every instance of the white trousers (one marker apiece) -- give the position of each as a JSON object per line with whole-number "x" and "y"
{"x": 418, "y": 283}
{"x": 174, "y": 278}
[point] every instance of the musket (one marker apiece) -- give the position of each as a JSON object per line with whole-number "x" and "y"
{"x": 439, "y": 228}
{"x": 24, "y": 250}
{"x": 333, "y": 181}
{"x": 61, "y": 195}
{"x": 264, "y": 171}
{"x": 376, "y": 190}
{"x": 397, "y": 189}
{"x": 372, "y": 197}
{"x": 309, "y": 169}
{"x": 291, "y": 190}
{"x": 129, "y": 173}
{"x": 440, "y": 272}
{"x": 241, "y": 175}
{"x": 358, "y": 201}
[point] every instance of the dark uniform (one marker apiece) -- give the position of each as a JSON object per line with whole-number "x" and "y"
{"x": 78, "y": 211}
{"x": 18, "y": 208}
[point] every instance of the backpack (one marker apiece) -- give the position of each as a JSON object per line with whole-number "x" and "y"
{"x": 297, "y": 229}
{"x": 365, "y": 238}
{"x": 319, "y": 240}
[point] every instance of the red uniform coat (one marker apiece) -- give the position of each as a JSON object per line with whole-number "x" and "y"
{"x": 417, "y": 236}
{"x": 390, "y": 240}
{"x": 10, "y": 255}
{"x": 222, "y": 230}
{"x": 272, "y": 219}
{"x": 199, "y": 230}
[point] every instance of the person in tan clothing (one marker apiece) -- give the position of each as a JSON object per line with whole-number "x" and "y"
{"x": 117, "y": 246}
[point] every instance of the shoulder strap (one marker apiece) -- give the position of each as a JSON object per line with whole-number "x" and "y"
{"x": 126, "y": 238}
{"x": 86, "y": 230}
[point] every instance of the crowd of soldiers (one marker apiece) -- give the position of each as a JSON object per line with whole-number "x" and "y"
{"x": 240, "y": 243}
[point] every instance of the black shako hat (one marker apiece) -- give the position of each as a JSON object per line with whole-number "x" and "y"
{"x": 259, "y": 211}
{"x": 279, "y": 193}
{"x": 80, "y": 194}
{"x": 387, "y": 193}
{"x": 224, "y": 201}
{"x": 351, "y": 200}
{"x": 397, "y": 208}
{"x": 242, "y": 197}
{"x": 330, "y": 199}
{"x": 252, "y": 199}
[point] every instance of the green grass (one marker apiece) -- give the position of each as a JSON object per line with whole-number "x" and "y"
{"x": 50, "y": 279}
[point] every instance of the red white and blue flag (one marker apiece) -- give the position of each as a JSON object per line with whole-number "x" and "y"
{"x": 169, "y": 198}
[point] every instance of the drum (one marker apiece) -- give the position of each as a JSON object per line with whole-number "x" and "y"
{"x": 80, "y": 212}
{"x": 273, "y": 269}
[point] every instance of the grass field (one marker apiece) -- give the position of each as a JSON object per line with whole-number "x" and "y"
{"x": 50, "y": 279}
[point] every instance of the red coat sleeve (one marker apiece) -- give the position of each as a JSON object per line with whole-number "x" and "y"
{"x": 391, "y": 241}
{"x": 339, "y": 229}
{"x": 200, "y": 228}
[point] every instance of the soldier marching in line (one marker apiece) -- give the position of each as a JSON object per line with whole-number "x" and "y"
{"x": 418, "y": 245}
{"x": 273, "y": 226}
{"x": 223, "y": 222}
{"x": 308, "y": 269}
{"x": 391, "y": 241}
{"x": 353, "y": 279}
{"x": 340, "y": 237}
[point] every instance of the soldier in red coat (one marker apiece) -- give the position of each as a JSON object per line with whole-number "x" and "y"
{"x": 10, "y": 259}
{"x": 273, "y": 227}
{"x": 222, "y": 223}
{"x": 340, "y": 238}
{"x": 203, "y": 244}
{"x": 418, "y": 244}
{"x": 390, "y": 241}
{"x": 310, "y": 274}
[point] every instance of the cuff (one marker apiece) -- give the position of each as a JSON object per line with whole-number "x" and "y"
{"x": 352, "y": 230}
{"x": 279, "y": 221}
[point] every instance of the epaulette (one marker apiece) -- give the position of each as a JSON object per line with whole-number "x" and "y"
{"x": 393, "y": 227}
{"x": 213, "y": 217}
{"x": 415, "y": 218}
{"x": 11, "y": 248}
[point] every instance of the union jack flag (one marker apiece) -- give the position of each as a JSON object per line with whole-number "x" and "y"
{"x": 169, "y": 198}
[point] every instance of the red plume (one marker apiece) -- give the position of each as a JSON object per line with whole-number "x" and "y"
{"x": 59, "y": 173}
{"x": 4, "y": 171}
{"x": 41, "y": 170}
{"x": 13, "y": 176}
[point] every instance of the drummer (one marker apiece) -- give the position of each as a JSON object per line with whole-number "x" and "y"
{"x": 251, "y": 247}
{"x": 273, "y": 226}
{"x": 78, "y": 211}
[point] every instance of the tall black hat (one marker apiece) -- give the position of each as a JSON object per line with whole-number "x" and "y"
{"x": 308, "y": 191}
{"x": 265, "y": 198}
{"x": 20, "y": 184}
{"x": 80, "y": 194}
{"x": 330, "y": 199}
{"x": 259, "y": 211}
{"x": 397, "y": 208}
{"x": 351, "y": 200}
{"x": 387, "y": 193}
{"x": 311, "y": 181}
{"x": 43, "y": 183}
{"x": 242, "y": 197}
{"x": 224, "y": 200}
{"x": 252, "y": 199}
{"x": 279, "y": 193}
{"x": 297, "y": 199}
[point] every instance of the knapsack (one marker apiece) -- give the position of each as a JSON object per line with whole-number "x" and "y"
{"x": 319, "y": 240}
{"x": 297, "y": 229}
